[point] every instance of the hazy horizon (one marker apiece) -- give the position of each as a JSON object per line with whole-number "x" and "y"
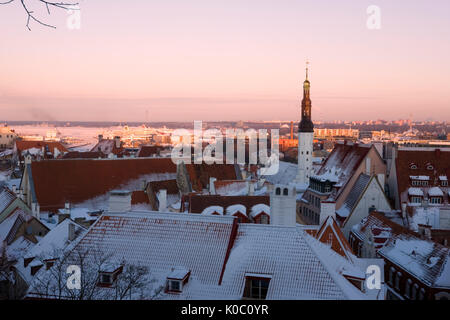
{"x": 237, "y": 60}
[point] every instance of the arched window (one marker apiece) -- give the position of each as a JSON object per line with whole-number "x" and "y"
{"x": 285, "y": 192}
{"x": 408, "y": 288}
{"x": 278, "y": 191}
{"x": 422, "y": 294}
{"x": 391, "y": 275}
{"x": 397, "y": 281}
{"x": 414, "y": 291}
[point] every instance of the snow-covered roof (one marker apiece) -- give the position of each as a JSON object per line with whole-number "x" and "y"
{"x": 236, "y": 208}
{"x": 57, "y": 238}
{"x": 443, "y": 178}
{"x": 259, "y": 208}
{"x": 423, "y": 178}
{"x": 54, "y": 242}
{"x": 213, "y": 209}
{"x": 286, "y": 174}
{"x": 354, "y": 195}
{"x": 415, "y": 192}
{"x": 299, "y": 266}
{"x": 422, "y": 258}
{"x": 6, "y": 197}
{"x": 435, "y": 192}
{"x": 425, "y": 216}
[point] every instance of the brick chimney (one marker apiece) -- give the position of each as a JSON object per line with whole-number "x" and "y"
{"x": 100, "y": 137}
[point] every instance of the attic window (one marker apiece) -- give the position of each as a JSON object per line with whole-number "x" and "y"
{"x": 256, "y": 286}
{"x": 105, "y": 278}
{"x": 413, "y": 166}
{"x": 109, "y": 274}
{"x": 177, "y": 279}
{"x": 430, "y": 167}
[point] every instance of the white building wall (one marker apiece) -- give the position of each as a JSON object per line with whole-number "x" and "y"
{"x": 305, "y": 150}
{"x": 373, "y": 196}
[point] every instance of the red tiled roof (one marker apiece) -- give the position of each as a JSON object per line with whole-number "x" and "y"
{"x": 148, "y": 151}
{"x": 337, "y": 239}
{"x": 199, "y": 174}
{"x": 377, "y": 219}
{"x": 169, "y": 185}
{"x": 23, "y": 145}
{"x": 439, "y": 159}
{"x": 139, "y": 196}
{"x": 83, "y": 155}
{"x": 198, "y": 203}
{"x": 60, "y": 181}
{"x": 108, "y": 146}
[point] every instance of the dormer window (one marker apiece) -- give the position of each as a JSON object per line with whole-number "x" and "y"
{"x": 105, "y": 278}
{"x": 256, "y": 286}
{"x": 413, "y": 166}
{"x": 430, "y": 167}
{"x": 177, "y": 279}
{"x": 108, "y": 274}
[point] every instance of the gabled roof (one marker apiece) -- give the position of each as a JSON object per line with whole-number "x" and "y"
{"x": 344, "y": 160}
{"x": 76, "y": 180}
{"x": 170, "y": 185}
{"x": 426, "y": 260}
{"x": 53, "y": 243}
{"x": 354, "y": 195}
{"x": 219, "y": 254}
{"x": 330, "y": 233}
{"x": 6, "y": 198}
{"x": 199, "y": 174}
{"x": 148, "y": 151}
{"x": 108, "y": 146}
{"x": 163, "y": 241}
{"x": 408, "y": 159}
{"x": 23, "y": 145}
{"x": 84, "y": 155}
{"x": 197, "y": 203}
{"x": 299, "y": 266}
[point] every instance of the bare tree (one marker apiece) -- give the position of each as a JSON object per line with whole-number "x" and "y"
{"x": 47, "y": 4}
{"x": 132, "y": 282}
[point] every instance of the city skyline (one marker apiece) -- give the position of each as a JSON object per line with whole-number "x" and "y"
{"x": 211, "y": 61}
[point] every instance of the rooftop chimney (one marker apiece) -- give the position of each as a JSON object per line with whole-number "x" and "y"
{"x": 251, "y": 188}
{"x": 14, "y": 188}
{"x": 71, "y": 235}
{"x": 120, "y": 201}
{"x": 100, "y": 137}
{"x": 403, "y": 210}
{"x": 212, "y": 188}
{"x": 327, "y": 209}
{"x": 67, "y": 208}
{"x": 117, "y": 141}
{"x": 283, "y": 206}
{"x": 162, "y": 200}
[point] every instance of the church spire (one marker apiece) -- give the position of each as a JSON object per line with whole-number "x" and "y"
{"x": 306, "y": 124}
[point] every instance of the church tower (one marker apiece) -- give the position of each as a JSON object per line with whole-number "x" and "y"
{"x": 305, "y": 137}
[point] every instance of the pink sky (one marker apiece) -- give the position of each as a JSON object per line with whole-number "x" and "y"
{"x": 227, "y": 60}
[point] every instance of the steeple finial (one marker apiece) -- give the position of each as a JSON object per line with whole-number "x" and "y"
{"x": 307, "y": 63}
